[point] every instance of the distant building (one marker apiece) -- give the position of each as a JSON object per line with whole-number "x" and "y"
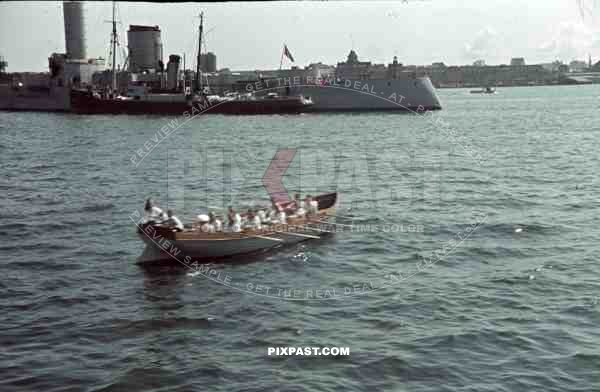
{"x": 354, "y": 69}
{"x": 560, "y": 67}
{"x": 492, "y": 75}
{"x": 517, "y": 62}
{"x": 578, "y": 66}
{"x": 479, "y": 63}
{"x": 3, "y": 64}
{"x": 320, "y": 71}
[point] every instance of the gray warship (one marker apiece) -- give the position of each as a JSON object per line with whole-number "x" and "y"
{"x": 352, "y": 85}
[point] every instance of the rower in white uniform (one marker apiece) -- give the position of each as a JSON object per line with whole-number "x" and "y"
{"x": 282, "y": 218}
{"x": 153, "y": 213}
{"x": 252, "y": 220}
{"x": 234, "y": 220}
{"x": 312, "y": 206}
{"x": 202, "y": 222}
{"x": 174, "y": 222}
{"x": 215, "y": 224}
{"x": 276, "y": 215}
{"x": 262, "y": 215}
{"x": 272, "y": 213}
{"x": 300, "y": 208}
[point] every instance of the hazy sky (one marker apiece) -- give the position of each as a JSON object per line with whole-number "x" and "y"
{"x": 250, "y": 36}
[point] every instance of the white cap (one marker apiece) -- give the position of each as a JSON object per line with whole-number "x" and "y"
{"x": 203, "y": 218}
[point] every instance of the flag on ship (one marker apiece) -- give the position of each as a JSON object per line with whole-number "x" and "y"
{"x": 287, "y": 53}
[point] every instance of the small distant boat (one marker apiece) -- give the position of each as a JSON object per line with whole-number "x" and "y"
{"x": 196, "y": 245}
{"x": 486, "y": 90}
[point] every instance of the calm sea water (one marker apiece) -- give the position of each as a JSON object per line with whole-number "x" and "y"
{"x": 513, "y": 307}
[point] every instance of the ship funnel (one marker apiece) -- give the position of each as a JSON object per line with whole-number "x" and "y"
{"x": 74, "y": 29}
{"x": 173, "y": 71}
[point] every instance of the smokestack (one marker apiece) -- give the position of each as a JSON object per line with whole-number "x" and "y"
{"x": 74, "y": 29}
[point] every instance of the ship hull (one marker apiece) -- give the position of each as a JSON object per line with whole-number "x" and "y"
{"x": 82, "y": 102}
{"x": 275, "y": 106}
{"x": 55, "y": 99}
{"x": 410, "y": 94}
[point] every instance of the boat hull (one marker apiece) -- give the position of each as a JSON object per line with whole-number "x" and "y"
{"x": 162, "y": 244}
{"x": 187, "y": 250}
{"x": 83, "y": 102}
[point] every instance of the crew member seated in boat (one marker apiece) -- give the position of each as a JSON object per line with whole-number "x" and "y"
{"x": 291, "y": 206}
{"x": 214, "y": 223}
{"x": 312, "y": 206}
{"x": 252, "y": 220}
{"x": 298, "y": 207}
{"x": 257, "y": 221}
{"x": 282, "y": 218}
{"x": 276, "y": 215}
{"x": 174, "y": 222}
{"x": 203, "y": 223}
{"x": 262, "y": 215}
{"x": 153, "y": 213}
{"x": 273, "y": 213}
{"x": 297, "y": 202}
{"x": 234, "y": 220}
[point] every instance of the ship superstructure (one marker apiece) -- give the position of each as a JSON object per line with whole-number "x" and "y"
{"x": 50, "y": 91}
{"x": 352, "y": 85}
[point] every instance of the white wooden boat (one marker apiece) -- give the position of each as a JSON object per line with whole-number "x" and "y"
{"x": 163, "y": 244}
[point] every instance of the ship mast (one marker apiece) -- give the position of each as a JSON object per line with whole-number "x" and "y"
{"x": 113, "y": 42}
{"x": 198, "y": 80}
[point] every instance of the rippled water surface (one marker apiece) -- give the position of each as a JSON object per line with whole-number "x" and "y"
{"x": 513, "y": 307}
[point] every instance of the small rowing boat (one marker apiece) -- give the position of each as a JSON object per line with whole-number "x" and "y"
{"x": 189, "y": 245}
{"x": 486, "y": 90}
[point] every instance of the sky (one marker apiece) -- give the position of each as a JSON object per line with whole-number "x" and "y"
{"x": 248, "y": 36}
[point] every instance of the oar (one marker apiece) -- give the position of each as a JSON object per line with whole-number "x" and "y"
{"x": 297, "y": 234}
{"x": 314, "y": 229}
{"x": 340, "y": 216}
{"x": 335, "y": 224}
{"x": 265, "y": 237}
{"x": 247, "y": 235}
